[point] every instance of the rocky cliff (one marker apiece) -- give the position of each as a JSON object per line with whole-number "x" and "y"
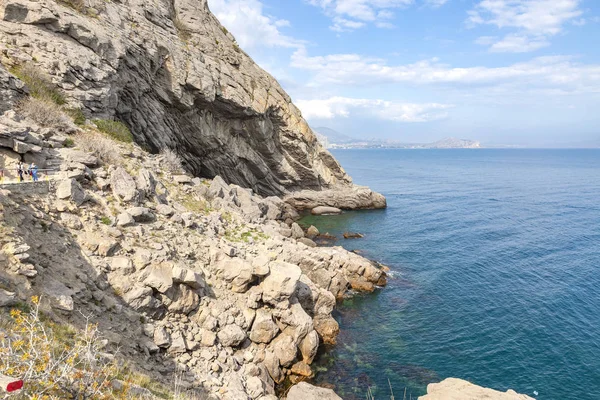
{"x": 177, "y": 78}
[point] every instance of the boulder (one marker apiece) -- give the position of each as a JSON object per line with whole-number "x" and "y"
{"x": 238, "y": 272}
{"x": 297, "y": 231}
{"x": 324, "y": 210}
{"x": 306, "y": 391}
{"x": 184, "y": 299}
{"x": 281, "y": 282}
{"x": 188, "y": 277}
{"x": 7, "y": 298}
{"x": 140, "y": 298}
{"x": 122, "y": 265}
{"x": 160, "y": 277}
{"x": 458, "y": 389}
{"x": 80, "y": 157}
{"x": 271, "y": 362}
{"x": 141, "y": 214}
{"x": 264, "y": 329}
{"x": 208, "y": 338}
{"x": 125, "y": 219}
{"x": 71, "y": 221}
{"x": 285, "y": 349}
{"x": 146, "y": 183}
{"x": 165, "y": 210}
{"x": 178, "y": 343}
{"x": 182, "y": 179}
{"x": 162, "y": 337}
{"x": 309, "y": 347}
{"x": 328, "y": 328}
{"x": 302, "y": 369}
{"x": 307, "y": 242}
{"x": 312, "y": 232}
{"x": 231, "y": 335}
{"x": 72, "y": 190}
{"x": 123, "y": 185}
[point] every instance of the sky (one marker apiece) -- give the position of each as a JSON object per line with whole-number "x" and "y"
{"x": 504, "y": 72}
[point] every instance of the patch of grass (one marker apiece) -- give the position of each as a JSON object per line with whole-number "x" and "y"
{"x": 237, "y": 48}
{"x": 69, "y": 143}
{"x": 197, "y": 206}
{"x": 115, "y": 129}
{"x": 106, "y": 220}
{"x": 77, "y": 115}
{"x": 39, "y": 84}
{"x": 225, "y": 31}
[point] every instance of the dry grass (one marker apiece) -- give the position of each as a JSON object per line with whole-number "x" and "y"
{"x": 44, "y": 113}
{"x": 100, "y": 146}
{"x": 171, "y": 161}
{"x": 39, "y": 83}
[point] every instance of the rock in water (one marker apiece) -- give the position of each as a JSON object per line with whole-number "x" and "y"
{"x": 305, "y": 391}
{"x": 457, "y": 389}
{"x": 323, "y": 210}
{"x": 353, "y": 235}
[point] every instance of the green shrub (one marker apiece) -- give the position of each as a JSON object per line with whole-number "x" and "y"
{"x": 39, "y": 84}
{"x": 115, "y": 129}
{"x": 106, "y": 220}
{"x": 69, "y": 143}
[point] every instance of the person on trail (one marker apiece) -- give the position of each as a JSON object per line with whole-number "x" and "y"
{"x": 21, "y": 171}
{"x": 33, "y": 169}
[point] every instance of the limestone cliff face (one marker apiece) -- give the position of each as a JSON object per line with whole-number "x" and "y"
{"x": 177, "y": 78}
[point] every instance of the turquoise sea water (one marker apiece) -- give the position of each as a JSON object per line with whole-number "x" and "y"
{"x": 495, "y": 259}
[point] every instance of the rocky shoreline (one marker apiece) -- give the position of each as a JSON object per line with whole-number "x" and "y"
{"x": 184, "y": 275}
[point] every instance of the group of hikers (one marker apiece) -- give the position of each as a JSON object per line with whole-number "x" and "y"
{"x": 23, "y": 170}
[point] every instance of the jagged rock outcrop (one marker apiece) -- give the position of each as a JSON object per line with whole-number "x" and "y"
{"x": 458, "y": 389}
{"x": 177, "y": 78}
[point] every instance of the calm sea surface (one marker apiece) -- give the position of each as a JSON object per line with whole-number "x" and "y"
{"x": 495, "y": 259}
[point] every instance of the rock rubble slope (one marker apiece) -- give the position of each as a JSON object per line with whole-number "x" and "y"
{"x": 178, "y": 79}
{"x": 187, "y": 277}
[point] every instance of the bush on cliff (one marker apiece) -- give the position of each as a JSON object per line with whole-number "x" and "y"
{"x": 43, "y": 113}
{"x": 115, "y": 129}
{"x": 54, "y": 362}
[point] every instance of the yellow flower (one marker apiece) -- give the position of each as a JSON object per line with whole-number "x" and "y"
{"x": 35, "y": 300}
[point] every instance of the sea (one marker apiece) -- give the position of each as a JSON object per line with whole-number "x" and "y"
{"x": 495, "y": 273}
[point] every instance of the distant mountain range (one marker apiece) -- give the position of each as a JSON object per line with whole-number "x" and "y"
{"x": 335, "y": 140}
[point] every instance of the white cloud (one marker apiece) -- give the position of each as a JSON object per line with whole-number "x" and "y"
{"x": 250, "y": 26}
{"x": 519, "y": 44}
{"x": 386, "y": 110}
{"x": 435, "y": 3}
{"x": 534, "y": 21}
{"x": 557, "y": 72}
{"x": 357, "y": 13}
{"x": 343, "y": 25}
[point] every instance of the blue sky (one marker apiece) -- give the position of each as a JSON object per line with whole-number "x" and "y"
{"x": 519, "y": 72}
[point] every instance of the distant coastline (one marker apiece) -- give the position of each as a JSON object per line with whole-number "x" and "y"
{"x": 332, "y": 139}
